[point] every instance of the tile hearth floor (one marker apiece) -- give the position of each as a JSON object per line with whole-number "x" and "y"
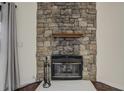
{"x": 68, "y": 85}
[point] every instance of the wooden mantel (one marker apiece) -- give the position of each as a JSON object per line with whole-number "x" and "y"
{"x": 67, "y": 34}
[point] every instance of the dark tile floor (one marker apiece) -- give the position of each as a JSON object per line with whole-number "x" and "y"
{"x": 104, "y": 87}
{"x": 29, "y": 87}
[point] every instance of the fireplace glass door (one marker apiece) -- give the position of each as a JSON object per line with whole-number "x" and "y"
{"x": 67, "y": 70}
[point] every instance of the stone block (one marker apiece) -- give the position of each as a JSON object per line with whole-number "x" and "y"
{"x": 49, "y": 20}
{"x": 72, "y": 20}
{"x": 91, "y": 11}
{"x": 45, "y": 12}
{"x": 40, "y": 71}
{"x": 85, "y": 75}
{"x": 90, "y": 25}
{"x": 89, "y": 67}
{"x": 86, "y": 52}
{"x": 54, "y": 7}
{"x": 91, "y": 28}
{"x": 40, "y": 12}
{"x": 85, "y": 40}
{"x": 76, "y": 49}
{"x": 84, "y": 69}
{"x": 82, "y": 47}
{"x": 60, "y": 3}
{"x": 55, "y": 52}
{"x": 83, "y": 5}
{"x": 93, "y": 42}
{"x": 93, "y": 46}
{"x": 40, "y": 36}
{"x": 66, "y": 11}
{"x": 93, "y": 52}
{"x": 75, "y": 15}
{"x": 40, "y": 25}
{"x": 40, "y": 30}
{"x": 56, "y": 43}
{"x": 91, "y": 59}
{"x": 83, "y": 23}
{"x": 63, "y": 43}
{"x": 75, "y": 11}
{"x": 74, "y": 42}
{"x": 47, "y": 43}
{"x": 94, "y": 67}
{"x": 53, "y": 25}
{"x": 76, "y": 24}
{"x": 42, "y": 58}
{"x": 40, "y": 44}
{"x": 48, "y": 33}
{"x": 68, "y": 48}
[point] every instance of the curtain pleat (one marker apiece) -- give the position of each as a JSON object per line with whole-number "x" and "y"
{"x": 12, "y": 80}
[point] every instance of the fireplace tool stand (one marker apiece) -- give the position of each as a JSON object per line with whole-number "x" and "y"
{"x": 46, "y": 83}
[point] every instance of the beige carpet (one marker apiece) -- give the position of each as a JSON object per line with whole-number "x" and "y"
{"x": 68, "y": 85}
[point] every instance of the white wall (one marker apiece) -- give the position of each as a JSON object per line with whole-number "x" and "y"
{"x": 110, "y": 44}
{"x": 26, "y": 28}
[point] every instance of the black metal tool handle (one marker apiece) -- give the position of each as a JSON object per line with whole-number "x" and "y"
{"x": 46, "y": 83}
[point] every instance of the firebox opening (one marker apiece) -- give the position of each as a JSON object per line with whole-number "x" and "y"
{"x": 66, "y": 67}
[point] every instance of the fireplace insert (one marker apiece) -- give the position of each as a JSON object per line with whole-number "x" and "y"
{"x": 66, "y": 67}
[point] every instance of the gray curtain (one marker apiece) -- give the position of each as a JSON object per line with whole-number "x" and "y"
{"x": 8, "y": 25}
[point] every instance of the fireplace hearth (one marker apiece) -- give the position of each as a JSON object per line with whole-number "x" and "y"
{"x": 66, "y": 67}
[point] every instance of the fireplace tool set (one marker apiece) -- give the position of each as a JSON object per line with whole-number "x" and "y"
{"x": 46, "y": 83}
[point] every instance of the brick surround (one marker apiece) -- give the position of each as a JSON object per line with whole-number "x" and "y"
{"x": 67, "y": 17}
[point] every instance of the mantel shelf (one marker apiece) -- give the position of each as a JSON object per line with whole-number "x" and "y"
{"x": 68, "y": 34}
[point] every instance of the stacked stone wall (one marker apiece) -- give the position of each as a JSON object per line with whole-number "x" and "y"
{"x": 67, "y": 17}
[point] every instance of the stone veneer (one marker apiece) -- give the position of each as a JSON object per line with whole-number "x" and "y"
{"x": 67, "y": 17}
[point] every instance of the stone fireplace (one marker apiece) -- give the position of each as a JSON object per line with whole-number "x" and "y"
{"x": 67, "y": 29}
